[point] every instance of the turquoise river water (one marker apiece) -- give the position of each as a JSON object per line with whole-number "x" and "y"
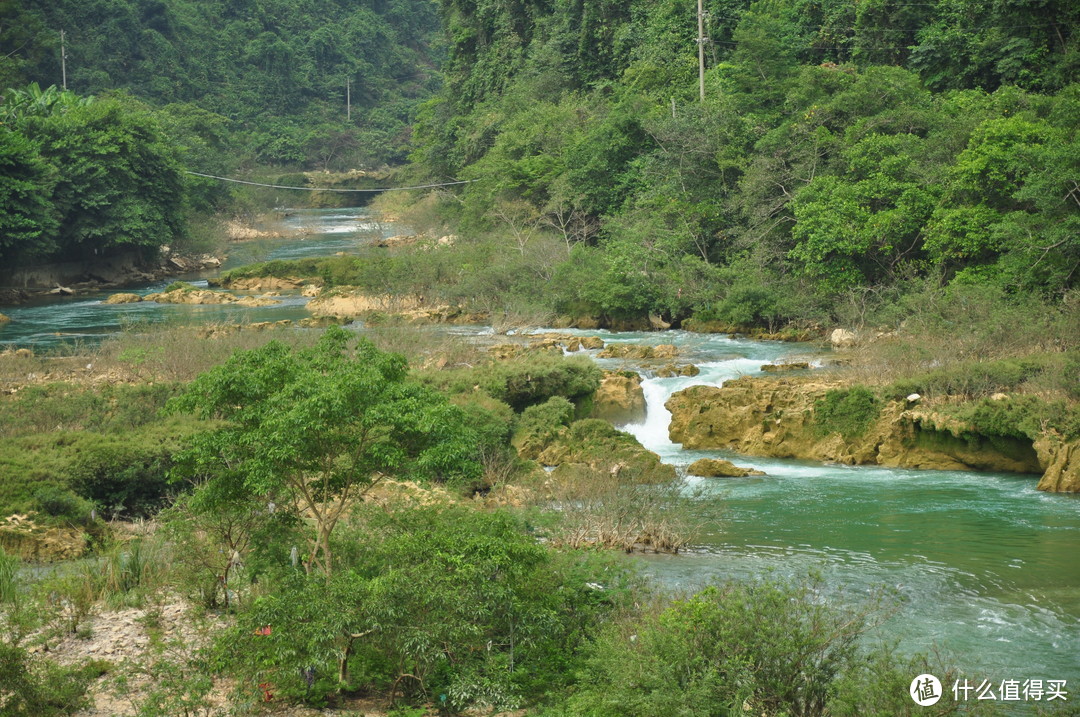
{"x": 984, "y": 567}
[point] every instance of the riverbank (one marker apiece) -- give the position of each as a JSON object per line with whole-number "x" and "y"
{"x": 120, "y": 271}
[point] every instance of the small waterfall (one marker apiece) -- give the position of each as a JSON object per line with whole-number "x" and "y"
{"x": 653, "y": 431}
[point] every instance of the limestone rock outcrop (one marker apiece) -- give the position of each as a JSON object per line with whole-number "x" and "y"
{"x": 620, "y": 399}
{"x": 776, "y": 417}
{"x": 206, "y": 296}
{"x": 780, "y": 367}
{"x": 344, "y": 303}
{"x": 639, "y": 351}
{"x": 1062, "y": 464}
{"x": 719, "y": 468}
{"x": 123, "y": 298}
{"x": 842, "y": 339}
{"x": 259, "y": 283}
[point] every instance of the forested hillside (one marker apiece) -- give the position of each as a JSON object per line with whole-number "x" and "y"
{"x": 276, "y": 71}
{"x": 840, "y": 148}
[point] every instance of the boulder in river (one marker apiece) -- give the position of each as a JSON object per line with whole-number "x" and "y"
{"x": 123, "y": 298}
{"x": 719, "y": 468}
{"x": 4, "y": 319}
{"x": 793, "y": 366}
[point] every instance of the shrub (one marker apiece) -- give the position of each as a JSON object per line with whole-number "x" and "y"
{"x": 1020, "y": 416}
{"x": 128, "y": 473}
{"x": 848, "y": 412}
{"x": 59, "y": 503}
{"x": 539, "y": 425}
{"x": 767, "y": 647}
{"x": 38, "y": 688}
{"x": 972, "y": 379}
{"x": 434, "y": 600}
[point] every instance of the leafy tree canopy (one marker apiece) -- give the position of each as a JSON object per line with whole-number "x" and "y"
{"x": 313, "y": 429}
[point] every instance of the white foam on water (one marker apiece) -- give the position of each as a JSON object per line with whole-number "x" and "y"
{"x": 653, "y": 431}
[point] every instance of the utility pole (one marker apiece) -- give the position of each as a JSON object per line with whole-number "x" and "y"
{"x": 63, "y": 62}
{"x": 701, "y": 40}
{"x": 348, "y": 99}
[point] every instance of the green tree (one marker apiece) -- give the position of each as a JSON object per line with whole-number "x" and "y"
{"x": 27, "y": 220}
{"x": 313, "y": 429}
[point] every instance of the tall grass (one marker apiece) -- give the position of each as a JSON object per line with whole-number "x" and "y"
{"x": 9, "y": 577}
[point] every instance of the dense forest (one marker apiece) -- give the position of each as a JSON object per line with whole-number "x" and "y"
{"x": 156, "y": 88}
{"x": 277, "y": 73}
{"x": 838, "y": 147}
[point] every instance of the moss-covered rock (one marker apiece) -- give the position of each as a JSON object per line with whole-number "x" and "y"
{"x": 601, "y": 447}
{"x": 719, "y": 468}
{"x": 811, "y": 419}
{"x": 539, "y": 426}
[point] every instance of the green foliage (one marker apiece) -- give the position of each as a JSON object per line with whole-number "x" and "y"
{"x": 848, "y": 412}
{"x": 34, "y": 687}
{"x": 438, "y": 600}
{"x": 318, "y": 426}
{"x": 280, "y": 70}
{"x": 59, "y": 406}
{"x": 818, "y": 163}
{"x": 539, "y": 425}
{"x": 9, "y": 577}
{"x": 92, "y": 178}
{"x": 765, "y": 647}
{"x": 124, "y": 474}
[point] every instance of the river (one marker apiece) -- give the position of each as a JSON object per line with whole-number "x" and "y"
{"x": 51, "y": 322}
{"x": 982, "y": 565}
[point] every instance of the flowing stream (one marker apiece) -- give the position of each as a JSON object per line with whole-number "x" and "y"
{"x": 982, "y": 565}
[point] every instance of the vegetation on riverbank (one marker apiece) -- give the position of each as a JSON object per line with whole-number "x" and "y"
{"x": 436, "y": 594}
{"x": 350, "y": 526}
